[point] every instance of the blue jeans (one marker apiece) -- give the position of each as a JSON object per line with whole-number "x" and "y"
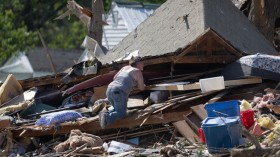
{"x": 118, "y": 100}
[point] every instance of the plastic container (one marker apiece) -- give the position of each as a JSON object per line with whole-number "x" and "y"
{"x": 247, "y": 118}
{"x": 201, "y": 135}
{"x": 221, "y": 133}
{"x": 223, "y": 109}
{"x": 245, "y": 105}
{"x": 265, "y": 122}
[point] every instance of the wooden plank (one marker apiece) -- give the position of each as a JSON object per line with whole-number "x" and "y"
{"x": 223, "y": 42}
{"x": 178, "y": 87}
{"x": 218, "y": 97}
{"x": 92, "y": 124}
{"x": 135, "y": 101}
{"x": 198, "y": 40}
{"x": 196, "y": 85}
{"x": 185, "y": 130}
{"x": 206, "y": 59}
{"x": 194, "y": 75}
{"x": 214, "y": 36}
{"x": 243, "y": 81}
{"x": 100, "y": 92}
{"x": 158, "y": 60}
{"x": 199, "y": 111}
{"x": 147, "y": 101}
{"x": 180, "y": 102}
{"x": 191, "y": 123}
{"x": 126, "y": 134}
{"x": 209, "y": 45}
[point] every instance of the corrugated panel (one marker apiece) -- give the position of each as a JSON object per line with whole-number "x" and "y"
{"x": 121, "y": 21}
{"x": 134, "y": 16}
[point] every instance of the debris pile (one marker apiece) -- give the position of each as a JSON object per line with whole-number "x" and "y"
{"x": 208, "y": 91}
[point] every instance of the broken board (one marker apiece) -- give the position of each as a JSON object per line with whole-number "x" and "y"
{"x": 185, "y": 130}
{"x": 199, "y": 111}
{"x": 135, "y": 101}
{"x": 196, "y": 85}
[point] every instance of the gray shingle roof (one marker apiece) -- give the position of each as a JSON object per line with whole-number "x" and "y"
{"x": 176, "y": 23}
{"x": 62, "y": 59}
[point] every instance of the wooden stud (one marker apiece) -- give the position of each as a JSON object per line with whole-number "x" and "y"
{"x": 220, "y": 40}
{"x": 209, "y": 45}
{"x": 206, "y": 59}
{"x": 185, "y": 130}
{"x": 199, "y": 111}
{"x": 197, "y": 41}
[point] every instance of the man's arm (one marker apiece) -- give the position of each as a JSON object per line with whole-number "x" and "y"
{"x": 140, "y": 80}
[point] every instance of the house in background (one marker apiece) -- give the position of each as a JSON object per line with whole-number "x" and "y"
{"x": 62, "y": 60}
{"x": 122, "y": 19}
{"x": 18, "y": 65}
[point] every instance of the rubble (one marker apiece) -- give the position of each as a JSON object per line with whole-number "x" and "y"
{"x": 171, "y": 117}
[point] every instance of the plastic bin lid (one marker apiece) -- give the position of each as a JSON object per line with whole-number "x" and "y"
{"x": 224, "y": 109}
{"x": 218, "y": 121}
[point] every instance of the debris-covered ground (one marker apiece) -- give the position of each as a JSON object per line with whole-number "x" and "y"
{"x": 209, "y": 92}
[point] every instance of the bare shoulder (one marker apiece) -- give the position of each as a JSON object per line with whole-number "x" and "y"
{"x": 127, "y": 68}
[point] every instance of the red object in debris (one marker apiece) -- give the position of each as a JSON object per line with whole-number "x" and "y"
{"x": 201, "y": 135}
{"x": 247, "y": 118}
{"x": 256, "y": 129}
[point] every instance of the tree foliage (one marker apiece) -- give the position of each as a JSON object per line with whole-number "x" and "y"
{"x": 21, "y": 19}
{"x": 14, "y": 35}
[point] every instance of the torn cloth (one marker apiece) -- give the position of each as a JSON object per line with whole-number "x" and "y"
{"x": 58, "y": 117}
{"x": 77, "y": 139}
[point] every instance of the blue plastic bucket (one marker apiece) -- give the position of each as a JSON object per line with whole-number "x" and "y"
{"x": 221, "y": 133}
{"x": 223, "y": 109}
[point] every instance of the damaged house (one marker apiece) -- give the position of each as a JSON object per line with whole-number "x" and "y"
{"x": 182, "y": 43}
{"x": 122, "y": 19}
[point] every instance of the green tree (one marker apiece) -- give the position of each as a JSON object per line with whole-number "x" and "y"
{"x": 14, "y": 36}
{"x": 21, "y": 19}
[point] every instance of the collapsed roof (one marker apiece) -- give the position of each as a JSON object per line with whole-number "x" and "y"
{"x": 178, "y": 23}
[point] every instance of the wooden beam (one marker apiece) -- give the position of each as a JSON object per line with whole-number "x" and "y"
{"x": 209, "y": 45}
{"x": 218, "y": 97}
{"x": 126, "y": 134}
{"x": 185, "y": 130}
{"x": 95, "y": 28}
{"x": 223, "y": 42}
{"x": 193, "y": 75}
{"x": 195, "y": 42}
{"x": 47, "y": 52}
{"x": 196, "y": 85}
{"x": 210, "y": 35}
{"x": 158, "y": 60}
{"x": 191, "y": 123}
{"x": 199, "y": 111}
{"x": 178, "y": 87}
{"x": 135, "y": 101}
{"x": 206, "y": 59}
{"x": 92, "y": 124}
{"x": 243, "y": 81}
